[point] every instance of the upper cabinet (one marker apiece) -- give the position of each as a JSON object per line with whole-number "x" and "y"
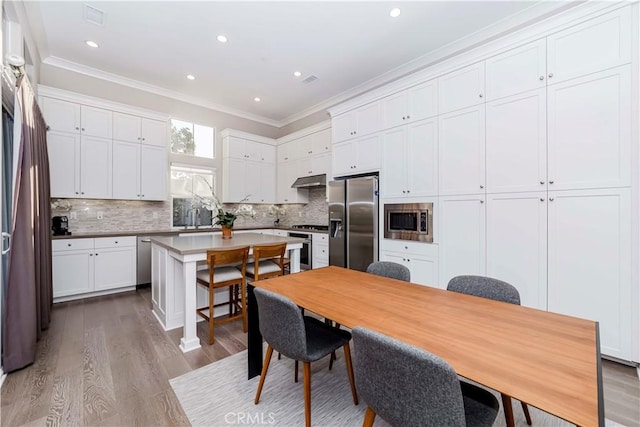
{"x": 127, "y": 127}
{"x": 598, "y": 44}
{"x": 411, "y": 105}
{"x": 462, "y": 88}
{"x": 70, "y": 117}
{"x": 517, "y": 70}
{"x": 356, "y": 123}
{"x": 240, "y": 148}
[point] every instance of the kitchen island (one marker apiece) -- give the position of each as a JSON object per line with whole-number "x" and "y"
{"x": 174, "y": 262}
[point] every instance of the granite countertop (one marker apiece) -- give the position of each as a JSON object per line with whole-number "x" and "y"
{"x": 172, "y": 232}
{"x": 187, "y": 245}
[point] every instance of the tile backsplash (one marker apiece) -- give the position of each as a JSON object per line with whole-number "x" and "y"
{"x": 134, "y": 216}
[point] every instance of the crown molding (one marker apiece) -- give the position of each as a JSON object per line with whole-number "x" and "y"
{"x": 136, "y": 84}
{"x": 304, "y": 132}
{"x": 228, "y": 132}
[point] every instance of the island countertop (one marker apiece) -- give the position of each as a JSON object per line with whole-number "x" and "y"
{"x": 186, "y": 245}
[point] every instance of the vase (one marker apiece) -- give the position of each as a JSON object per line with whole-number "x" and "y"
{"x": 227, "y": 232}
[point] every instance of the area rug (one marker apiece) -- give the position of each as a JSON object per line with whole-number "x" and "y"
{"x": 219, "y": 394}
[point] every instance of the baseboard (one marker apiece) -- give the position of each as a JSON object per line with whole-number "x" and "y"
{"x": 143, "y": 285}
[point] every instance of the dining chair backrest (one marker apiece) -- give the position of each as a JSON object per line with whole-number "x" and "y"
{"x": 219, "y": 257}
{"x": 272, "y": 259}
{"x": 485, "y": 287}
{"x": 281, "y": 324}
{"x": 390, "y": 269}
{"x": 405, "y": 385}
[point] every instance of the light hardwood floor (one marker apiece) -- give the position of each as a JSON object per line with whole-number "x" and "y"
{"x": 106, "y": 361}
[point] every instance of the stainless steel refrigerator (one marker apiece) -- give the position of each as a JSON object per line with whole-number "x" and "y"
{"x": 353, "y": 222}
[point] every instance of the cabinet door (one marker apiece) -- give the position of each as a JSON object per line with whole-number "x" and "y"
{"x": 235, "y": 148}
{"x": 461, "y": 89}
{"x": 598, "y": 44}
{"x": 72, "y": 272}
{"x": 60, "y": 115}
{"x": 462, "y": 237}
{"x": 305, "y": 145}
{"x": 590, "y": 131}
{"x": 344, "y": 160}
{"x": 367, "y": 153}
{"x": 153, "y": 172}
{"x": 517, "y": 244}
{"x": 154, "y": 132}
{"x": 517, "y": 143}
{"x": 126, "y": 165}
{"x": 422, "y": 158}
{"x": 305, "y": 167}
{"x": 462, "y": 152}
{"x": 395, "y": 109}
{"x": 424, "y": 271}
{"x": 234, "y": 182}
{"x": 516, "y": 71}
{"x": 252, "y": 185}
{"x": 368, "y": 119}
{"x": 590, "y": 262}
{"x": 321, "y": 164}
{"x": 95, "y": 167}
{"x": 115, "y": 268}
{"x": 64, "y": 163}
{"x": 96, "y": 122}
{"x": 423, "y": 101}
{"x": 321, "y": 142}
{"x": 393, "y": 181}
{"x": 126, "y": 127}
{"x": 343, "y": 127}
{"x": 267, "y": 181}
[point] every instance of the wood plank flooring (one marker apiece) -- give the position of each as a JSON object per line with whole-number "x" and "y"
{"x": 107, "y": 362}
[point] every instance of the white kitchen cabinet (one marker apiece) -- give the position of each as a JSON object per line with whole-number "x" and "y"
{"x": 597, "y": 44}
{"x": 590, "y": 264}
{"x": 357, "y": 156}
{"x": 321, "y": 142}
{"x": 461, "y": 89}
{"x": 127, "y": 127}
{"x": 234, "y": 185}
{"x": 61, "y": 115}
{"x": 254, "y": 181}
{"x": 410, "y": 160}
{"x": 95, "y": 167}
{"x": 461, "y": 152}
{"x": 462, "y": 237}
{"x": 315, "y": 165}
{"x": 85, "y": 267}
{"x": 267, "y": 179}
{"x": 516, "y": 143}
{"x": 589, "y": 131}
{"x": 414, "y": 104}
{"x": 287, "y": 174}
{"x": 516, "y": 71}
{"x": 153, "y": 172}
{"x": 319, "y": 250}
{"x": 356, "y": 123}
{"x": 64, "y": 163}
{"x": 239, "y": 148}
{"x": 424, "y": 270}
{"x": 288, "y": 151}
{"x": 96, "y": 122}
{"x": 141, "y": 171}
{"x": 517, "y": 244}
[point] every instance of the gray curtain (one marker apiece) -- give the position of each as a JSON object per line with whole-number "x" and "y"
{"x": 29, "y": 297}
{"x": 7, "y": 190}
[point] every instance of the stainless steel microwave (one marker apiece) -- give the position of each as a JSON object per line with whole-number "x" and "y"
{"x": 409, "y": 221}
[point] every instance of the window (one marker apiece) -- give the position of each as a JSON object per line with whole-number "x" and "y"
{"x": 189, "y": 186}
{"x": 192, "y": 140}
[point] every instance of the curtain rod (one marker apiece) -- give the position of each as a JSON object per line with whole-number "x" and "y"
{"x": 16, "y": 64}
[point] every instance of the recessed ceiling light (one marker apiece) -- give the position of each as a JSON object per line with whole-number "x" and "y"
{"x": 191, "y": 77}
{"x": 257, "y": 99}
{"x": 91, "y": 43}
{"x": 395, "y": 12}
{"x": 222, "y": 38}
{"x": 297, "y": 73}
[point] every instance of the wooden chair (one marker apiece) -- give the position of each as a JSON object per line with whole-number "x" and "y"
{"x": 268, "y": 261}
{"x": 221, "y": 274}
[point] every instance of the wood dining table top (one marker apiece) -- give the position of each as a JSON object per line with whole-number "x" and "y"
{"x": 548, "y": 360}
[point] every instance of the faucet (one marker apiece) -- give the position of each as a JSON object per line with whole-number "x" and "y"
{"x": 276, "y": 223}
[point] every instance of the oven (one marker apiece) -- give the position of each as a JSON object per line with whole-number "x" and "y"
{"x": 305, "y": 252}
{"x": 409, "y": 221}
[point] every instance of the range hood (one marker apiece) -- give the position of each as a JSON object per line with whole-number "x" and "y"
{"x": 310, "y": 181}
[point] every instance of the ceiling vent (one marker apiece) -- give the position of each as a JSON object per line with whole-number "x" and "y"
{"x": 310, "y": 79}
{"x": 93, "y": 15}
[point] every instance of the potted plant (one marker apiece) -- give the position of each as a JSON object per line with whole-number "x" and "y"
{"x": 225, "y": 218}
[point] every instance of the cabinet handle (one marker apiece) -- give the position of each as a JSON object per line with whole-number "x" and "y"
{"x": 97, "y": 254}
{"x": 355, "y": 132}
{"x": 116, "y": 242}
{"x": 550, "y": 182}
{"x": 408, "y": 259}
{"x": 406, "y": 247}
{"x": 69, "y": 244}
{"x": 142, "y": 195}
{"x": 77, "y": 128}
{"x": 542, "y": 199}
{"x": 481, "y": 95}
{"x": 76, "y": 192}
{"x": 541, "y": 77}
{"x": 309, "y": 171}
{"x": 82, "y": 192}
{"x": 550, "y": 75}
{"x": 482, "y": 186}
{"x": 308, "y": 152}
{"x": 408, "y": 117}
{"x": 551, "y": 199}
{"x": 481, "y": 201}
{"x": 286, "y": 158}
{"x": 90, "y": 254}
{"x": 144, "y": 139}
{"x": 286, "y": 200}
{"x": 82, "y": 129}
{"x": 541, "y": 182}
{"x": 408, "y": 191}
{"x": 403, "y": 191}
{"x": 404, "y": 118}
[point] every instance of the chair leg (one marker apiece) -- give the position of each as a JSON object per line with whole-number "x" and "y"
{"x": 265, "y": 368}
{"x": 525, "y": 409}
{"x": 306, "y": 367}
{"x": 331, "y": 359}
{"x": 243, "y": 296}
{"x": 508, "y": 410}
{"x": 369, "y": 416}
{"x": 231, "y": 301}
{"x": 211, "y": 304}
{"x": 352, "y": 382}
{"x": 295, "y": 372}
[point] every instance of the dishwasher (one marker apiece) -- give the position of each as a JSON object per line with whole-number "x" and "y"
{"x": 143, "y": 272}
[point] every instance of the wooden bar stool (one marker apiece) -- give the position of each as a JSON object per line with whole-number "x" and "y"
{"x": 268, "y": 261}
{"x": 219, "y": 275}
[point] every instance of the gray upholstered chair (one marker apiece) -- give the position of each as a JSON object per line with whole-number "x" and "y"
{"x": 487, "y": 287}
{"x": 298, "y": 337}
{"x": 390, "y": 269}
{"x": 408, "y": 386}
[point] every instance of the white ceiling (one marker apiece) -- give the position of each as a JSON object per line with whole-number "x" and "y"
{"x": 346, "y": 45}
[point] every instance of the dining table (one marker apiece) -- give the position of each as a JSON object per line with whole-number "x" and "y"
{"x": 547, "y": 360}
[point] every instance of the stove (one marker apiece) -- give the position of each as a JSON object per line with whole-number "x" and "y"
{"x": 310, "y": 227}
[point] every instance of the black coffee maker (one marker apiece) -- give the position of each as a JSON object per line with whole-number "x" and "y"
{"x": 60, "y": 226}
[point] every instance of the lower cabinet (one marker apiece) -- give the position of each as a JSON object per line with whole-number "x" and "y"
{"x": 82, "y": 267}
{"x": 319, "y": 250}
{"x": 420, "y": 258}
